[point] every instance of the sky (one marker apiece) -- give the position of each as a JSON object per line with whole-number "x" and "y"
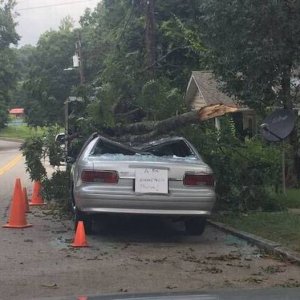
{"x": 38, "y": 16}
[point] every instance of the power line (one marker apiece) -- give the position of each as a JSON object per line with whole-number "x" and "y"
{"x": 52, "y": 5}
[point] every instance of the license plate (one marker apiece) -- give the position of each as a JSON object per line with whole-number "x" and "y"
{"x": 151, "y": 181}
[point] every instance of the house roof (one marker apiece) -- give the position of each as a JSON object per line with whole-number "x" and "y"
{"x": 204, "y": 83}
{"x": 16, "y": 111}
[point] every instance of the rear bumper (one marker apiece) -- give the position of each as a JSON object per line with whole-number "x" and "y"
{"x": 91, "y": 201}
{"x": 172, "y": 212}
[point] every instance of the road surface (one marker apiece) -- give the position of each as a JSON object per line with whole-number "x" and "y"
{"x": 126, "y": 255}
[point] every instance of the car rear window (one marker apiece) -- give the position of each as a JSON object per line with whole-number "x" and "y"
{"x": 175, "y": 148}
{"x": 171, "y": 149}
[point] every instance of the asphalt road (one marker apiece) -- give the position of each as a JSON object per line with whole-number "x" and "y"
{"x": 11, "y": 167}
{"x": 126, "y": 255}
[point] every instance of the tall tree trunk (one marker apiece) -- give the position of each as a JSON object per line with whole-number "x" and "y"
{"x": 150, "y": 41}
{"x": 285, "y": 92}
{"x": 286, "y": 99}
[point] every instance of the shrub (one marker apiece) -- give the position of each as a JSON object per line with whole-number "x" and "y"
{"x": 57, "y": 187}
{"x": 34, "y": 154}
{"x": 247, "y": 172}
{"x": 36, "y": 150}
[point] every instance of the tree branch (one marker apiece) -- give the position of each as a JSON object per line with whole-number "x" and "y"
{"x": 164, "y": 56}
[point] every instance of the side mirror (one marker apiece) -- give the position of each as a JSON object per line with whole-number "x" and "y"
{"x": 60, "y": 138}
{"x": 70, "y": 160}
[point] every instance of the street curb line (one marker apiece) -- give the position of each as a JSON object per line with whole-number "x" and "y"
{"x": 265, "y": 244}
{"x": 12, "y": 139}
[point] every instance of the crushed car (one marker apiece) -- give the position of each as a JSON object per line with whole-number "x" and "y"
{"x": 165, "y": 177}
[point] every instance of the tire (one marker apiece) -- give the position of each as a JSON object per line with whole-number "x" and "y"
{"x": 87, "y": 221}
{"x": 195, "y": 226}
{"x": 71, "y": 201}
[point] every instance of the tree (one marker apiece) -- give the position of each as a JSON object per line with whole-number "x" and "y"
{"x": 119, "y": 61}
{"x": 24, "y": 57}
{"x": 48, "y": 85}
{"x": 138, "y": 57}
{"x": 254, "y": 48}
{"x": 117, "y": 64}
{"x": 8, "y": 36}
{"x": 150, "y": 36}
{"x": 254, "y": 51}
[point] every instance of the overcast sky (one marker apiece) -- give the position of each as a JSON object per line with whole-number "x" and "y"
{"x": 38, "y": 16}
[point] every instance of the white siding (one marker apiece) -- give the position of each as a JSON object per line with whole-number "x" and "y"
{"x": 198, "y": 102}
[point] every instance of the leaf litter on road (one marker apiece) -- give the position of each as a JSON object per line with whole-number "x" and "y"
{"x": 213, "y": 270}
{"x": 95, "y": 258}
{"x": 240, "y": 265}
{"x": 225, "y": 257}
{"x": 160, "y": 260}
{"x": 171, "y": 287}
{"x": 28, "y": 241}
{"x": 273, "y": 269}
{"x": 254, "y": 280}
{"x": 290, "y": 283}
{"x": 50, "y": 285}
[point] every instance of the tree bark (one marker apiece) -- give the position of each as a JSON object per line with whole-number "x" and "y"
{"x": 287, "y": 101}
{"x": 150, "y": 37}
{"x": 145, "y": 131}
{"x": 285, "y": 92}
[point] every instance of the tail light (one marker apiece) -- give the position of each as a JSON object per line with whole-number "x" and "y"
{"x": 100, "y": 176}
{"x": 199, "y": 179}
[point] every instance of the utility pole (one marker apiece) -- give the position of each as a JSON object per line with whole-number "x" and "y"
{"x": 78, "y": 51}
{"x": 150, "y": 37}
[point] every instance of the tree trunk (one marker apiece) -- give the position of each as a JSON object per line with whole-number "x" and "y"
{"x": 287, "y": 101}
{"x": 150, "y": 37}
{"x": 145, "y": 131}
{"x": 285, "y": 92}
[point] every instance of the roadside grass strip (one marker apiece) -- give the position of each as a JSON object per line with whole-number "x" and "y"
{"x": 281, "y": 227}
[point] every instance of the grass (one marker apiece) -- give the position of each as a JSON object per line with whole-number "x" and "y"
{"x": 291, "y": 199}
{"x": 282, "y": 227}
{"x": 20, "y": 132}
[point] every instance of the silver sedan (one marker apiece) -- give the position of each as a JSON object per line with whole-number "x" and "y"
{"x": 165, "y": 177}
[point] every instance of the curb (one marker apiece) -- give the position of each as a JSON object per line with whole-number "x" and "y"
{"x": 262, "y": 243}
{"x": 12, "y": 139}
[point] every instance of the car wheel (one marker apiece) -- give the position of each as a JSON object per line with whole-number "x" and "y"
{"x": 87, "y": 221}
{"x": 71, "y": 202}
{"x": 195, "y": 226}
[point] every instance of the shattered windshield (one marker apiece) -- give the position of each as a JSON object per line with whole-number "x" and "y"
{"x": 167, "y": 149}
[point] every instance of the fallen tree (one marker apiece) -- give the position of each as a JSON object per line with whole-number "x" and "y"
{"x": 149, "y": 129}
{"x": 145, "y": 131}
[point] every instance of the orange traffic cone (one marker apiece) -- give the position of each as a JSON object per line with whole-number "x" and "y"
{"x": 80, "y": 239}
{"x": 36, "y": 195}
{"x": 26, "y": 200}
{"x": 17, "y": 217}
